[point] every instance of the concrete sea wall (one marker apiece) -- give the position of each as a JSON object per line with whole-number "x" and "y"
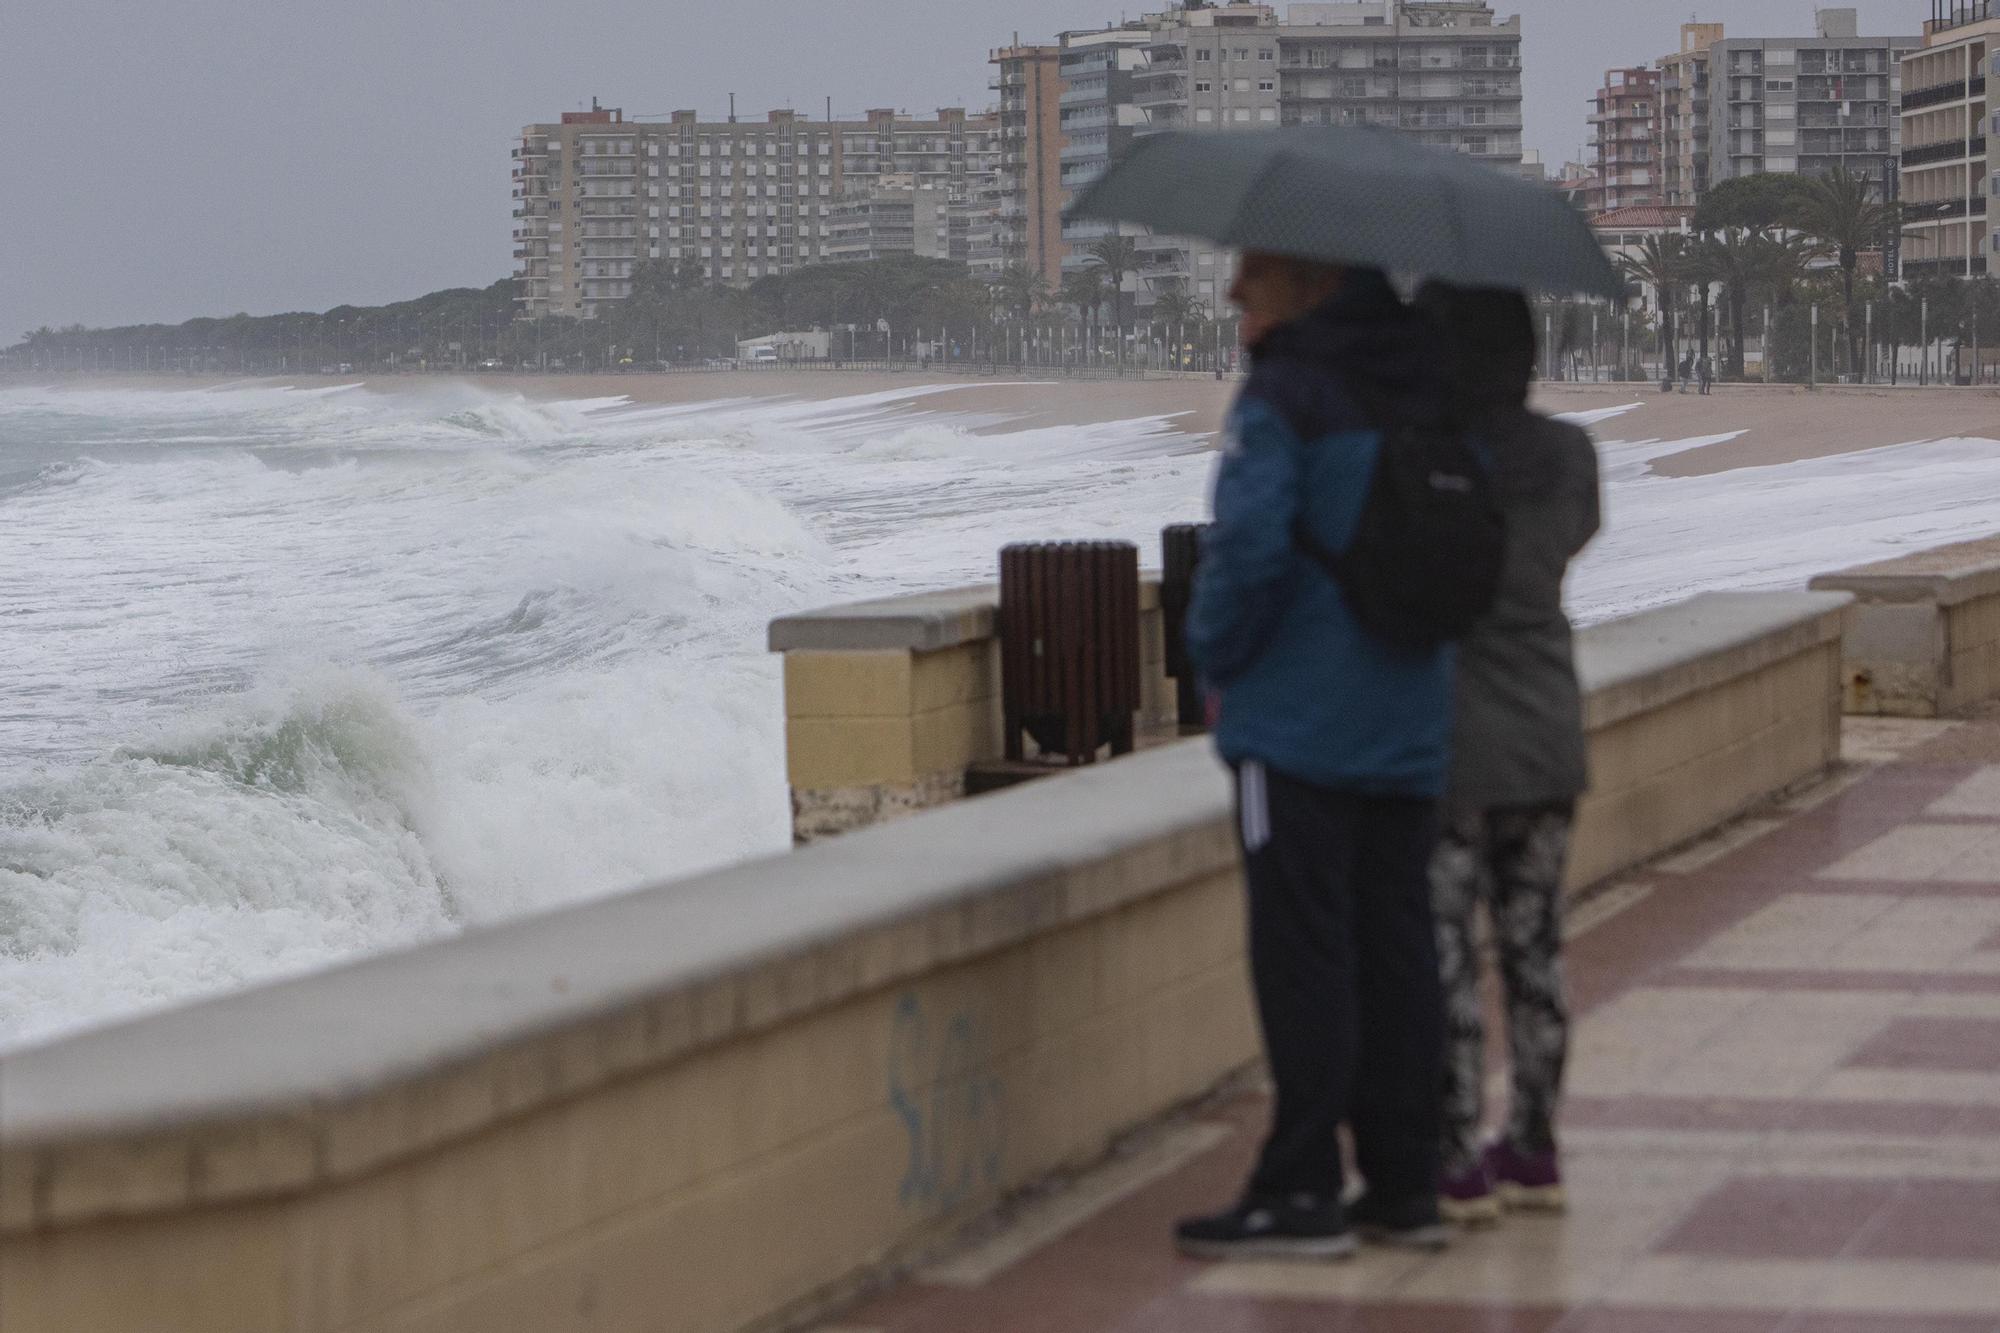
{"x": 717, "y": 1104}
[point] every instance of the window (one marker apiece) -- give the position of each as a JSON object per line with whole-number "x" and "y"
{"x": 1242, "y": 53}
{"x": 1268, "y": 54}
{"x": 1204, "y": 116}
{"x": 1203, "y": 86}
{"x": 1267, "y": 113}
{"x": 1202, "y": 57}
{"x": 1240, "y": 85}
{"x": 1267, "y": 85}
{"x": 1240, "y": 114}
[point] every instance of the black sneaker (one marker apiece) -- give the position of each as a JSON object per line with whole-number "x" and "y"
{"x": 1411, "y": 1224}
{"x": 1301, "y": 1226}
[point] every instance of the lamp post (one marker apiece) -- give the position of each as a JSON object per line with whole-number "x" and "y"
{"x": 1812, "y": 355}
{"x": 1924, "y": 335}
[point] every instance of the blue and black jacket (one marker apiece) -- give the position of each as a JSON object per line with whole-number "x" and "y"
{"x": 1305, "y": 689}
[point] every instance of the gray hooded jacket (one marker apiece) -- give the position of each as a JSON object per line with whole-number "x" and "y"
{"x": 1518, "y": 731}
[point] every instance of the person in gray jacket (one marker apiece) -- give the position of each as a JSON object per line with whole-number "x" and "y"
{"x": 1518, "y": 764}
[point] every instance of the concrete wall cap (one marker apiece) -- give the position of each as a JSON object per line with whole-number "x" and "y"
{"x": 1646, "y": 661}
{"x": 922, "y": 622}
{"x": 1944, "y": 575}
{"x": 918, "y": 622}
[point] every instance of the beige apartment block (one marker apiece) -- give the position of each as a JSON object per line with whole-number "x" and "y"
{"x": 1446, "y": 71}
{"x": 596, "y": 194}
{"x": 898, "y": 217}
{"x": 1951, "y": 225}
{"x": 1685, "y": 108}
{"x": 1030, "y": 85}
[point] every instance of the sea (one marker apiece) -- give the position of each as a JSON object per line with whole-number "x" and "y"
{"x": 289, "y": 675}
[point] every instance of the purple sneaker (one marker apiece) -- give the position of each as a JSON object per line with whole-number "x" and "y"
{"x": 1467, "y": 1198}
{"x": 1531, "y": 1181}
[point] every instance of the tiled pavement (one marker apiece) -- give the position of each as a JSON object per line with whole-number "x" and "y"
{"x": 1783, "y": 1115}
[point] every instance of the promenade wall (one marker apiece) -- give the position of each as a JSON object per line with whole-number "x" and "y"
{"x": 1926, "y": 635}
{"x": 722, "y": 1103}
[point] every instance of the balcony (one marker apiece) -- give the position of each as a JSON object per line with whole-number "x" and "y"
{"x": 1935, "y": 95}
{"x": 1950, "y": 267}
{"x": 1952, "y": 208}
{"x": 1951, "y": 150}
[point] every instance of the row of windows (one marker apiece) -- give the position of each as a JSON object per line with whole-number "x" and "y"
{"x": 1237, "y": 85}
{"x": 1240, "y": 115}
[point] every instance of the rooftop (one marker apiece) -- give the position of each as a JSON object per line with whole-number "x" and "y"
{"x": 1642, "y": 216}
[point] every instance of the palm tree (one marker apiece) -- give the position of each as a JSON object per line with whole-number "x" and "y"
{"x": 1117, "y": 255}
{"x": 1021, "y": 290}
{"x": 1842, "y": 211}
{"x": 1661, "y": 264}
{"x": 1174, "y": 307}
{"x": 1085, "y": 289}
{"x": 1738, "y": 259}
{"x": 1698, "y": 269}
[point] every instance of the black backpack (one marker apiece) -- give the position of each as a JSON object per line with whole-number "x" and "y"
{"x": 1425, "y": 561}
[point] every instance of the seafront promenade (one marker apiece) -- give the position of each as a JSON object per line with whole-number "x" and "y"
{"x": 1784, "y": 1111}
{"x": 957, "y": 1063}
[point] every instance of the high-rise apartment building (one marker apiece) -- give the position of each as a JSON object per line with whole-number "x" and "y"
{"x": 1100, "y": 116}
{"x": 596, "y": 194}
{"x": 1029, "y": 82}
{"x": 1686, "y": 106}
{"x": 898, "y": 217}
{"x": 1625, "y": 142}
{"x": 1950, "y": 176}
{"x": 1212, "y": 67}
{"x": 1447, "y": 72}
{"x": 1806, "y": 105}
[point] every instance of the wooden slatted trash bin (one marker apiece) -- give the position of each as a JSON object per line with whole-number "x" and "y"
{"x": 1069, "y": 648}
{"x": 1180, "y": 554}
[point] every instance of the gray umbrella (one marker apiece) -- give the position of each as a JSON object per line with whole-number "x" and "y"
{"x": 1355, "y": 196}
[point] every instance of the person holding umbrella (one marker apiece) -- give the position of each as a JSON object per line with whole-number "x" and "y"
{"x": 1338, "y": 738}
{"x": 1518, "y": 765}
{"x": 1355, "y": 537}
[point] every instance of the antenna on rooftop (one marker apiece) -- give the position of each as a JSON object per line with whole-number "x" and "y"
{"x": 732, "y": 108}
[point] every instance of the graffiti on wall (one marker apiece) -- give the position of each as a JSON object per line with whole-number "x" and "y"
{"x": 943, "y": 1088}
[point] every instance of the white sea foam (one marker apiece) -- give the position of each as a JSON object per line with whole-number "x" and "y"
{"x": 296, "y": 675}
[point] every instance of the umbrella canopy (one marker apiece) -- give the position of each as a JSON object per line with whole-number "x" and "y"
{"x": 1355, "y": 196}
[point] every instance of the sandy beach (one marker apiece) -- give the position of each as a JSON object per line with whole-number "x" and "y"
{"x": 1769, "y": 424}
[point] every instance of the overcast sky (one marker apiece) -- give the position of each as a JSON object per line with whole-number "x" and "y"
{"x": 183, "y": 157}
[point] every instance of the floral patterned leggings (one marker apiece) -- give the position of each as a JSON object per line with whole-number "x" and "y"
{"x": 1511, "y": 859}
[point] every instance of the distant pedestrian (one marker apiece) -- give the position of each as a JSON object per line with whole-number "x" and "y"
{"x": 1706, "y": 370}
{"x": 1687, "y": 371}
{"x": 1338, "y": 740}
{"x": 1518, "y": 765}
